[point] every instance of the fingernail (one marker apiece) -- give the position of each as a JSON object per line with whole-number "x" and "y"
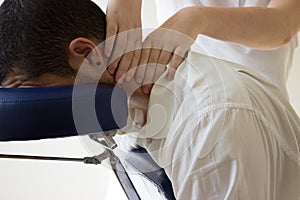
{"x": 146, "y": 90}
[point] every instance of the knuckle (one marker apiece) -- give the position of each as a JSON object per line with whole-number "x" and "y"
{"x": 163, "y": 59}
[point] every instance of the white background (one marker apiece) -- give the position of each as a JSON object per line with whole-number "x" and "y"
{"x": 44, "y": 180}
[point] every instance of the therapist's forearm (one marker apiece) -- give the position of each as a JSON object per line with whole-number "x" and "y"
{"x": 256, "y": 27}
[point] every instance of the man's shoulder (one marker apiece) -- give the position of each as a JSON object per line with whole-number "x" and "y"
{"x": 210, "y": 81}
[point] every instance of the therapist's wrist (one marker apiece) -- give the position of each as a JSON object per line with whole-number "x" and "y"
{"x": 194, "y": 16}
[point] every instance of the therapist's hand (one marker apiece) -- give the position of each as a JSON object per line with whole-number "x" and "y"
{"x": 168, "y": 44}
{"x": 123, "y": 15}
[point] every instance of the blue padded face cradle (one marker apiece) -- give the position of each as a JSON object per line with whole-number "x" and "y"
{"x": 40, "y": 113}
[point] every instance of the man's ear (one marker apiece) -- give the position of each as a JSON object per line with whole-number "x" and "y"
{"x": 83, "y": 48}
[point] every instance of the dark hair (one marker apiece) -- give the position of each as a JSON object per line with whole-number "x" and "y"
{"x": 35, "y": 34}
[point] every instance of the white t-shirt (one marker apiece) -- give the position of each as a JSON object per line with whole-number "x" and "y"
{"x": 274, "y": 65}
{"x": 223, "y": 132}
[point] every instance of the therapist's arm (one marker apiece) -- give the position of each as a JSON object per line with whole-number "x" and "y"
{"x": 256, "y": 27}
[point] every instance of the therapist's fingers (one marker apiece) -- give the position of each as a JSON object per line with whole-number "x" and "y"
{"x": 134, "y": 65}
{"x": 163, "y": 61}
{"x": 117, "y": 53}
{"x": 111, "y": 31}
{"x": 165, "y": 57}
{"x": 141, "y": 69}
{"x": 159, "y": 70}
{"x": 134, "y": 38}
{"x": 177, "y": 58}
{"x": 150, "y": 70}
{"x": 135, "y": 61}
{"x": 124, "y": 66}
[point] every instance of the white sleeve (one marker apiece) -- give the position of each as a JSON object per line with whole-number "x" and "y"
{"x": 228, "y": 153}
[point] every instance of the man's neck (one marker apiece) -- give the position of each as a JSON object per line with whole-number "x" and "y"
{"x": 19, "y": 80}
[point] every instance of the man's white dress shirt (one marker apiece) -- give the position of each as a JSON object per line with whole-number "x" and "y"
{"x": 223, "y": 132}
{"x": 224, "y": 129}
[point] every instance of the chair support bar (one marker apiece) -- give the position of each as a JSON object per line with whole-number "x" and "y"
{"x": 96, "y": 160}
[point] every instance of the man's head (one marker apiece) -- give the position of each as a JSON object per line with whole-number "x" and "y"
{"x": 44, "y": 42}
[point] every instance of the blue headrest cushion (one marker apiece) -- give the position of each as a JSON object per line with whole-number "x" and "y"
{"x": 40, "y": 113}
